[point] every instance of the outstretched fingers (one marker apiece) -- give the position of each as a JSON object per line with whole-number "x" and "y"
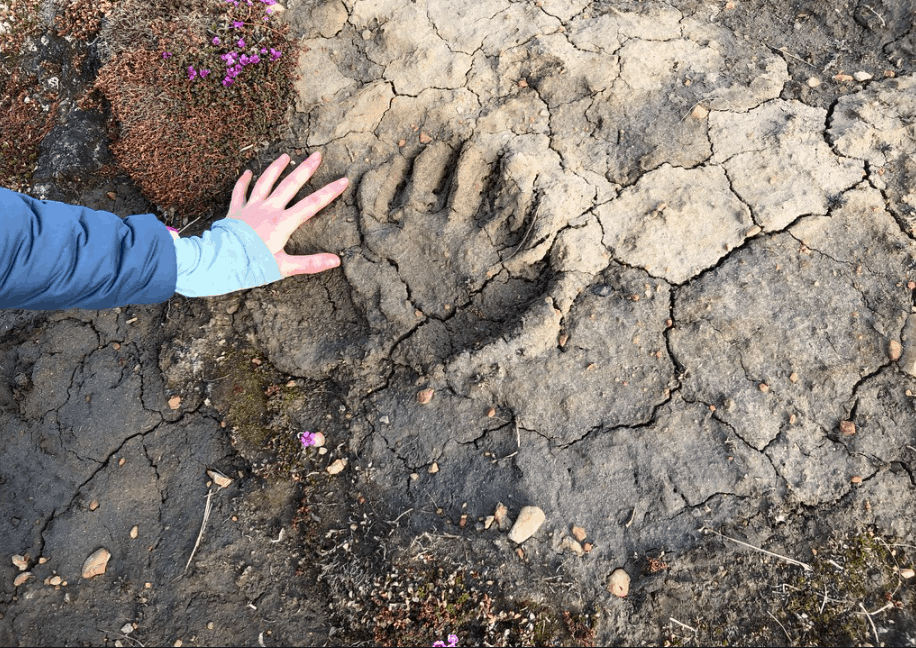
{"x": 305, "y": 264}
{"x": 291, "y": 185}
{"x": 239, "y": 192}
{"x": 265, "y": 183}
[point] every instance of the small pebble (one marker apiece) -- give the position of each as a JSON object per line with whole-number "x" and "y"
{"x": 862, "y": 76}
{"x": 42, "y": 560}
{"x": 322, "y": 451}
{"x": 337, "y": 466}
{"x": 54, "y": 581}
{"x": 764, "y": 387}
{"x": 21, "y": 562}
{"x": 178, "y": 643}
{"x": 209, "y": 625}
{"x": 488, "y": 521}
{"x": 847, "y": 427}
{"x": 96, "y": 563}
{"x": 21, "y": 578}
{"x": 491, "y": 412}
{"x": 367, "y": 35}
{"x": 579, "y": 533}
{"x": 501, "y": 515}
{"x": 699, "y": 112}
{"x": 127, "y": 628}
{"x": 618, "y": 583}
{"x": 414, "y": 476}
{"x": 906, "y": 573}
{"x": 568, "y": 544}
{"x": 894, "y": 350}
{"x": 813, "y": 82}
{"x": 219, "y": 479}
{"x": 425, "y": 395}
{"x": 587, "y": 547}
{"x": 434, "y": 468}
{"x": 529, "y": 520}
{"x": 424, "y": 138}
{"x": 175, "y": 402}
{"x": 793, "y": 377}
{"x": 135, "y": 531}
{"x": 856, "y": 479}
{"x": 563, "y": 339}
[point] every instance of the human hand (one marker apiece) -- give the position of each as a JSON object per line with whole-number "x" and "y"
{"x": 266, "y": 213}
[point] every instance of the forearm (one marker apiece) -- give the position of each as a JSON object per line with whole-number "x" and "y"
{"x": 54, "y": 255}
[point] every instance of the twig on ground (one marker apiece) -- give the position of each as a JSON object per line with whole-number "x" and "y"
{"x": 395, "y": 520}
{"x": 873, "y": 628}
{"x": 792, "y": 561}
{"x": 783, "y": 50}
{"x": 883, "y": 24}
{"x": 188, "y": 225}
{"x": 683, "y": 625}
{"x": 632, "y": 517}
{"x": 203, "y": 525}
{"x": 781, "y": 626}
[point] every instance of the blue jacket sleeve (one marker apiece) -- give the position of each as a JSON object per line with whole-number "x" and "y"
{"x": 54, "y": 255}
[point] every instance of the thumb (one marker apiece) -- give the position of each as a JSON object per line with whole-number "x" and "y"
{"x": 309, "y": 264}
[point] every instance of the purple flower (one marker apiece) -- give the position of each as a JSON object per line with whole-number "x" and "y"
{"x": 203, "y": 73}
{"x": 241, "y": 42}
{"x": 238, "y": 24}
{"x": 216, "y": 40}
{"x": 255, "y": 59}
{"x": 244, "y": 59}
{"x": 307, "y": 439}
{"x": 263, "y": 50}
{"x": 265, "y": 18}
{"x": 166, "y": 55}
{"x": 192, "y": 73}
{"x": 228, "y": 81}
{"x": 275, "y": 54}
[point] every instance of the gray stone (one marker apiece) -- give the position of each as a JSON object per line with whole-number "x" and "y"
{"x": 529, "y": 520}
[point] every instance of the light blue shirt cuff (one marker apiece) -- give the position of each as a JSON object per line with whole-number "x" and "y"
{"x": 229, "y": 257}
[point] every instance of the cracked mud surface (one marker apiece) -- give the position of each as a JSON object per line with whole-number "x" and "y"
{"x": 647, "y": 266}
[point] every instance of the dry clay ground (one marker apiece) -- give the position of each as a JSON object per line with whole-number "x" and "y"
{"x": 656, "y": 262}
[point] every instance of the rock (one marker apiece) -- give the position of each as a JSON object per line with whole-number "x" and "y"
{"x": 847, "y": 428}
{"x": 529, "y": 520}
{"x": 862, "y": 76}
{"x": 425, "y": 395}
{"x": 219, "y": 479}
{"x": 813, "y": 82}
{"x": 55, "y": 581}
{"x": 134, "y": 532}
{"x": 894, "y": 350}
{"x": 488, "y": 521}
{"x": 579, "y": 533}
{"x": 568, "y": 544}
{"x": 434, "y": 468}
{"x": 424, "y": 138}
{"x": 319, "y": 441}
{"x": 336, "y": 466}
{"x": 906, "y": 573}
{"x": 21, "y": 562}
{"x": 127, "y": 628}
{"x": 618, "y": 583}
{"x": 21, "y": 578}
{"x": 175, "y": 402}
{"x": 366, "y": 34}
{"x": 96, "y": 563}
{"x": 93, "y": 505}
{"x": 856, "y": 479}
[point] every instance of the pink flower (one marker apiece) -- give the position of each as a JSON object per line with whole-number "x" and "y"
{"x": 241, "y": 42}
{"x": 216, "y": 40}
{"x": 166, "y": 55}
{"x": 204, "y": 73}
{"x": 307, "y": 439}
{"x": 238, "y": 24}
{"x": 192, "y": 73}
